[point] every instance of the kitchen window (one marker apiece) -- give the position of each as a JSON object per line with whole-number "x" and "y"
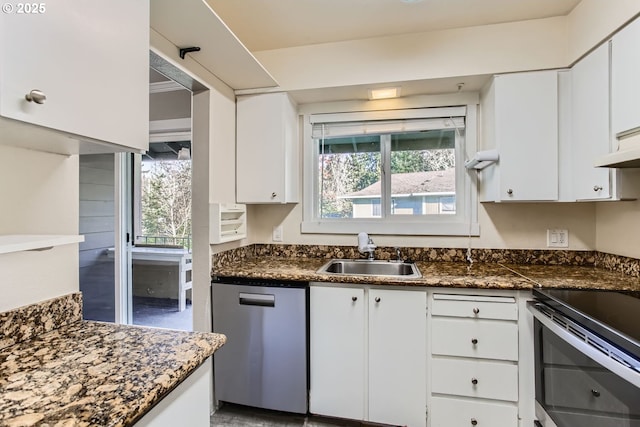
{"x": 390, "y": 172}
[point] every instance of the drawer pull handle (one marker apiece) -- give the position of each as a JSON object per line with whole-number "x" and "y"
{"x": 474, "y": 422}
{"x": 354, "y": 299}
{"x": 474, "y": 341}
{"x": 476, "y": 310}
{"x": 377, "y": 299}
{"x": 595, "y": 393}
{"x": 474, "y": 381}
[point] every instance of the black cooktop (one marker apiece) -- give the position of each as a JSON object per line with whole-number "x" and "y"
{"x": 615, "y": 316}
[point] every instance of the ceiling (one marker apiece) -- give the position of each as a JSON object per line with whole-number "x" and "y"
{"x": 274, "y": 24}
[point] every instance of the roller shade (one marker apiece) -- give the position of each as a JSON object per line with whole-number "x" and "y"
{"x": 379, "y": 127}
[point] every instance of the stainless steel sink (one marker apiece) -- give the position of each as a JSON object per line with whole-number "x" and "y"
{"x": 363, "y": 267}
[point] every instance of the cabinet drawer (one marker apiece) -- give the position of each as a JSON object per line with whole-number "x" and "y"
{"x": 484, "y": 339}
{"x": 490, "y": 380}
{"x": 477, "y": 307}
{"x": 447, "y": 412}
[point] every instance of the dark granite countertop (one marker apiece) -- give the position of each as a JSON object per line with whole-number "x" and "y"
{"x": 440, "y": 274}
{"x": 83, "y": 373}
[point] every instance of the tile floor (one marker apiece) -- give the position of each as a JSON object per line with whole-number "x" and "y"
{"x": 243, "y": 416}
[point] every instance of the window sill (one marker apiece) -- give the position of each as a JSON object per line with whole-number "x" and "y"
{"x": 408, "y": 228}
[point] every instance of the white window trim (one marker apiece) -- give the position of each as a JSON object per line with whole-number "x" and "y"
{"x": 466, "y": 225}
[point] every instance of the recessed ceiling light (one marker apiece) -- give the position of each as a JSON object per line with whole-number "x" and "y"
{"x": 384, "y": 93}
{"x": 411, "y": 1}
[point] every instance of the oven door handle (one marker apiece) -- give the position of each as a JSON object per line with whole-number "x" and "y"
{"x": 619, "y": 369}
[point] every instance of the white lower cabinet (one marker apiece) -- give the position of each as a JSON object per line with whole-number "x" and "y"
{"x": 186, "y": 405}
{"x": 397, "y": 357}
{"x": 474, "y": 368}
{"x": 368, "y": 354}
{"x": 337, "y": 332}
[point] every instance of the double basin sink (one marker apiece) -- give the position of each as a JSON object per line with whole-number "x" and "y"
{"x": 364, "y": 267}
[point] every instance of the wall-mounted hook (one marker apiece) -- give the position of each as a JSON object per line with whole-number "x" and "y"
{"x": 185, "y": 50}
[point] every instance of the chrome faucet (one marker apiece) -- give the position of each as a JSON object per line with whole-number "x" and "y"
{"x": 398, "y": 254}
{"x": 365, "y": 244}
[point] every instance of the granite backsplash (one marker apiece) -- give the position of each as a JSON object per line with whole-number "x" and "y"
{"x": 27, "y": 322}
{"x": 626, "y": 265}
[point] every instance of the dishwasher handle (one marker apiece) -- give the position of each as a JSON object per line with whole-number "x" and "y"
{"x": 260, "y": 300}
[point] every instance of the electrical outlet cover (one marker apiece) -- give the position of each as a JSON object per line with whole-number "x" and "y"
{"x": 558, "y": 238}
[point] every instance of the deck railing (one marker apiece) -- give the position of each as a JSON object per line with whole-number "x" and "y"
{"x": 165, "y": 240}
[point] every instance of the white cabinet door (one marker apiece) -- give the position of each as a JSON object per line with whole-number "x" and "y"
{"x": 397, "y": 357}
{"x": 91, "y": 61}
{"x": 590, "y": 134}
{"x": 338, "y": 365}
{"x": 625, "y": 85}
{"x": 520, "y": 120}
{"x": 267, "y": 149}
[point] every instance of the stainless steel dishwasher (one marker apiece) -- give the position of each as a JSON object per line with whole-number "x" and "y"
{"x": 264, "y": 362}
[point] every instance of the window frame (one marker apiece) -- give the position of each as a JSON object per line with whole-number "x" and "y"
{"x": 464, "y": 223}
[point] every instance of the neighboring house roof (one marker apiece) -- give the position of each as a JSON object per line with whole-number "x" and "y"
{"x": 412, "y": 184}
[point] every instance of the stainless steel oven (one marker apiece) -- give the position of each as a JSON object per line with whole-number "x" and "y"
{"x": 587, "y": 358}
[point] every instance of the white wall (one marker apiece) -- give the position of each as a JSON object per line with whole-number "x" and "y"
{"x": 527, "y": 45}
{"x": 618, "y": 228}
{"x": 39, "y": 194}
{"x": 488, "y": 49}
{"x": 502, "y": 226}
{"x": 593, "y": 21}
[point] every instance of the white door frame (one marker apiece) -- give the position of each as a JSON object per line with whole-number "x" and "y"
{"x": 123, "y": 239}
{"x": 201, "y": 272}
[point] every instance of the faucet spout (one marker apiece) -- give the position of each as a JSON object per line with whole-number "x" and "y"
{"x": 366, "y": 245}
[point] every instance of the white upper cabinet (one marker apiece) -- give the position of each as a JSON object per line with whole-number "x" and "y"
{"x": 520, "y": 120}
{"x": 90, "y": 60}
{"x": 590, "y": 135}
{"x": 625, "y": 83}
{"x": 267, "y": 149}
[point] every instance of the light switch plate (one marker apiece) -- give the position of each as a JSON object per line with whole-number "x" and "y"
{"x": 277, "y": 233}
{"x": 557, "y": 238}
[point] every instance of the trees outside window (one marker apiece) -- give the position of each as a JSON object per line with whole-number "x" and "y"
{"x": 166, "y": 201}
{"x": 351, "y": 180}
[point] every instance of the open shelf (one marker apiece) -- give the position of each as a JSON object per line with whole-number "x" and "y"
{"x": 228, "y": 222}
{"x": 35, "y": 242}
